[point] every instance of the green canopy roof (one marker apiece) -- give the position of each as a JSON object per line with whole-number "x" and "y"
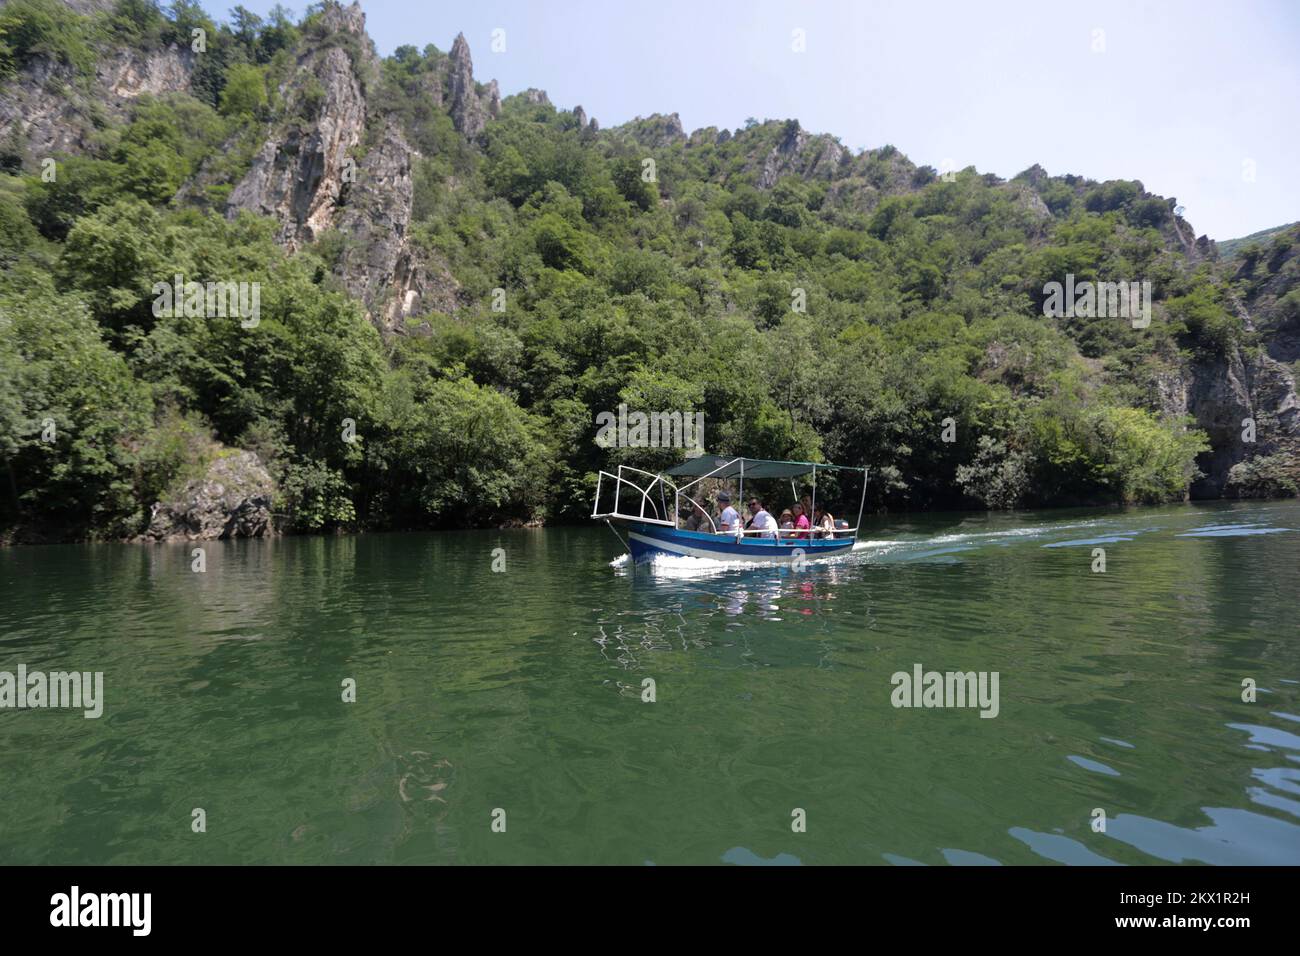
{"x": 717, "y": 466}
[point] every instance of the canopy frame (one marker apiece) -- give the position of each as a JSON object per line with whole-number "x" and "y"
{"x": 704, "y": 467}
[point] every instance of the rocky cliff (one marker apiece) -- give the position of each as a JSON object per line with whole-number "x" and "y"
{"x": 307, "y": 175}
{"x": 1259, "y": 383}
{"x": 298, "y": 174}
{"x": 471, "y": 107}
{"x": 49, "y": 110}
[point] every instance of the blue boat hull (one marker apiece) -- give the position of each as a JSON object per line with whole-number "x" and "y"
{"x": 647, "y": 541}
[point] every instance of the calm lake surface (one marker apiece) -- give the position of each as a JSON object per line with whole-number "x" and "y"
{"x": 522, "y": 690}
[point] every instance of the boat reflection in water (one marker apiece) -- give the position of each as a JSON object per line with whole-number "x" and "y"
{"x": 722, "y": 613}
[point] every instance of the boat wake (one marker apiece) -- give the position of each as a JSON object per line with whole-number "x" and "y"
{"x": 685, "y": 567}
{"x": 953, "y": 546}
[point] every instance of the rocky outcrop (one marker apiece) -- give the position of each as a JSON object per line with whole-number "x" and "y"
{"x": 801, "y": 154}
{"x": 1228, "y": 397}
{"x": 48, "y": 109}
{"x": 308, "y": 176}
{"x": 471, "y": 106}
{"x": 1256, "y": 381}
{"x": 1029, "y": 200}
{"x": 375, "y": 220}
{"x": 702, "y": 137}
{"x": 129, "y": 74}
{"x": 1267, "y": 275}
{"x": 232, "y": 500}
{"x": 299, "y": 172}
{"x": 379, "y": 266}
{"x": 1195, "y": 249}
{"x": 656, "y": 131}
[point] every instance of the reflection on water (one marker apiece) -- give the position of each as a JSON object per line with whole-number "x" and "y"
{"x": 525, "y": 691}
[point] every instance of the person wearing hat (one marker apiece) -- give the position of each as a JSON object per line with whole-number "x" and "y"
{"x": 729, "y": 520}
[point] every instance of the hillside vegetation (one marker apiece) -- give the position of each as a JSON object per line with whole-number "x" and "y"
{"x": 812, "y": 303}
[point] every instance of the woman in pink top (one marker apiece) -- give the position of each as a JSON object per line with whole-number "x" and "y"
{"x": 801, "y": 523}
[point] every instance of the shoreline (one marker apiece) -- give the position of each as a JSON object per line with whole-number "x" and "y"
{"x": 7, "y": 538}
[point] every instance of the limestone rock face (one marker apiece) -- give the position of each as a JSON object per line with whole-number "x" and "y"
{"x": 375, "y": 219}
{"x": 378, "y": 265}
{"x": 470, "y": 108}
{"x": 657, "y": 131}
{"x": 297, "y": 175}
{"x": 800, "y": 153}
{"x": 46, "y": 110}
{"x": 1221, "y": 395}
{"x": 233, "y": 500}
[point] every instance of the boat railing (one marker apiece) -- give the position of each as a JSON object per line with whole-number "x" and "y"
{"x": 636, "y": 489}
{"x": 790, "y": 535}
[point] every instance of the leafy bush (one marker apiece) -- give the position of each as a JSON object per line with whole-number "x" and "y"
{"x": 245, "y": 91}
{"x": 999, "y": 477}
{"x": 34, "y": 28}
{"x": 316, "y": 497}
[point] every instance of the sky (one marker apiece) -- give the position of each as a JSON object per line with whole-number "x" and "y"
{"x": 1199, "y": 100}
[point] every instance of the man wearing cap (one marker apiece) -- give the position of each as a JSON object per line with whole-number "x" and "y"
{"x": 729, "y": 520}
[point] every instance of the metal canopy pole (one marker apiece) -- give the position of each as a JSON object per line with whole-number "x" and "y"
{"x": 861, "y": 505}
{"x": 814, "y": 497}
{"x": 741, "y": 502}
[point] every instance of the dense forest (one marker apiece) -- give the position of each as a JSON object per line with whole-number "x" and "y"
{"x": 463, "y": 282}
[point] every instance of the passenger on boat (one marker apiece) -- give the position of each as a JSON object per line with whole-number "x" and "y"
{"x": 800, "y": 522}
{"x": 698, "y": 520}
{"x": 825, "y": 523}
{"x": 787, "y": 523}
{"x": 729, "y": 520}
{"x": 807, "y": 506}
{"x": 761, "y": 520}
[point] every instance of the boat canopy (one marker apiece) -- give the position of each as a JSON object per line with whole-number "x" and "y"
{"x": 716, "y": 466}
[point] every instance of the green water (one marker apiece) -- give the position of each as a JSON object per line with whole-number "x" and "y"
{"x": 522, "y": 690}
